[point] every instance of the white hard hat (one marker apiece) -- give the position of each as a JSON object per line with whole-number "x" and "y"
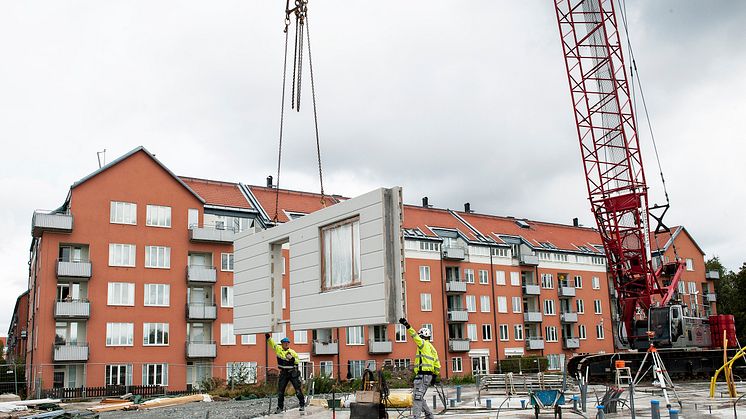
{"x": 425, "y": 333}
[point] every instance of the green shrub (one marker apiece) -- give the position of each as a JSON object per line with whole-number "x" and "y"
{"x": 461, "y": 379}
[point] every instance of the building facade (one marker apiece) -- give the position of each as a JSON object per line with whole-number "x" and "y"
{"x": 131, "y": 283}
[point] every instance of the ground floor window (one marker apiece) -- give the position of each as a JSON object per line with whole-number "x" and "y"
{"x": 155, "y": 374}
{"x": 401, "y": 363}
{"x": 456, "y": 364}
{"x": 326, "y": 368}
{"x": 119, "y": 375}
{"x": 556, "y": 362}
{"x": 355, "y": 369}
{"x": 479, "y": 364}
{"x": 240, "y": 372}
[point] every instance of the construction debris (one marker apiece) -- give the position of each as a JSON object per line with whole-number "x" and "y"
{"x": 110, "y": 405}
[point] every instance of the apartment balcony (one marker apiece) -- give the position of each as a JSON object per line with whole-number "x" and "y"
{"x": 454, "y": 253}
{"x": 459, "y": 345}
{"x": 201, "y": 312}
{"x": 325, "y": 348}
{"x": 200, "y": 350}
{"x": 69, "y": 352}
{"x": 78, "y": 269}
{"x": 72, "y": 309}
{"x": 201, "y": 274}
{"x": 566, "y": 292}
{"x": 535, "y": 344}
{"x": 51, "y": 221}
{"x": 455, "y": 287}
{"x": 711, "y": 297}
{"x": 528, "y": 260}
{"x": 532, "y": 317}
{"x": 569, "y": 317}
{"x": 571, "y": 343}
{"x": 458, "y": 316}
{"x": 530, "y": 289}
{"x": 212, "y": 234}
{"x": 385, "y": 347}
{"x": 712, "y": 275}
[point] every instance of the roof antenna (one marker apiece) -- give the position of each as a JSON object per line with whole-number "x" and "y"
{"x": 101, "y": 161}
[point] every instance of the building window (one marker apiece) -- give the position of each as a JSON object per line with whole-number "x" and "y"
{"x": 471, "y": 303}
{"x": 547, "y": 281}
{"x": 689, "y": 264}
{"x": 581, "y": 332}
{"x": 517, "y": 303}
{"x": 430, "y": 246}
{"x": 597, "y": 306}
{"x": 486, "y": 332}
{"x": 555, "y": 362}
{"x": 424, "y": 273}
{"x": 504, "y": 335}
{"x": 500, "y": 252}
{"x": 578, "y": 281}
{"x": 157, "y": 257}
{"x": 471, "y": 332}
{"x": 515, "y": 279}
{"x": 401, "y": 363}
{"x": 500, "y": 277}
{"x": 119, "y": 334}
{"x": 340, "y": 254}
{"x": 226, "y": 262}
{"x": 355, "y": 336}
{"x": 155, "y": 374}
{"x": 483, "y": 277}
{"x": 600, "y": 331}
{"x": 681, "y": 287}
{"x": 551, "y": 333}
{"x": 154, "y": 334}
{"x": 326, "y": 368}
{"x": 226, "y": 296}
{"x": 119, "y": 375}
{"x": 240, "y": 372}
{"x": 226, "y": 334}
{"x": 401, "y": 333}
{"x": 581, "y": 306}
{"x": 549, "y": 307}
{"x": 517, "y": 332}
{"x": 158, "y": 216}
{"x": 356, "y": 368}
{"x": 123, "y": 213}
{"x": 596, "y": 283}
{"x": 692, "y": 287}
{"x": 300, "y": 337}
{"x": 248, "y": 339}
{"x": 157, "y": 295}
{"x": 426, "y": 302}
{"x": 121, "y": 294}
{"x": 428, "y": 326}
{"x": 484, "y": 303}
{"x": 121, "y": 254}
{"x": 457, "y": 364}
{"x": 469, "y": 276}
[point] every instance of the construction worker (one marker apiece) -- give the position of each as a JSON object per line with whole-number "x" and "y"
{"x": 287, "y": 362}
{"x": 426, "y": 368}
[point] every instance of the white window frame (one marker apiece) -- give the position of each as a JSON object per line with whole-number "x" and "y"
{"x": 471, "y": 332}
{"x": 596, "y": 283}
{"x": 424, "y": 273}
{"x": 226, "y": 297}
{"x": 400, "y": 333}
{"x": 227, "y": 337}
{"x": 484, "y": 303}
{"x": 504, "y": 333}
{"x": 600, "y": 335}
{"x": 471, "y": 303}
{"x": 125, "y": 253}
{"x": 547, "y": 281}
{"x": 499, "y": 277}
{"x": 125, "y": 335}
{"x": 582, "y": 333}
{"x": 330, "y": 279}
{"x": 578, "y": 282}
{"x": 550, "y": 333}
{"x": 689, "y": 264}
{"x": 123, "y": 213}
{"x": 125, "y": 291}
{"x": 248, "y": 339}
{"x": 158, "y": 216}
{"x": 160, "y": 329}
{"x": 549, "y": 308}
{"x": 580, "y": 306}
{"x": 159, "y": 376}
{"x": 486, "y": 332}
{"x": 469, "y": 275}
{"x": 162, "y": 292}
{"x": 517, "y": 303}
{"x": 426, "y": 301}
{"x": 326, "y": 368}
{"x": 597, "y": 309}
{"x": 484, "y": 277}
{"x": 355, "y": 336}
{"x": 300, "y": 337}
{"x": 109, "y": 373}
{"x": 502, "y": 304}
{"x": 457, "y": 364}
{"x": 518, "y": 332}
{"x": 158, "y": 257}
{"x": 226, "y": 262}
{"x": 515, "y": 279}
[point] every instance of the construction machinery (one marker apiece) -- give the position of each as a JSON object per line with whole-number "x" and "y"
{"x": 604, "y": 111}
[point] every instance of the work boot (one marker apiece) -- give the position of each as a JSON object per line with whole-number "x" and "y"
{"x": 278, "y": 410}
{"x": 302, "y": 408}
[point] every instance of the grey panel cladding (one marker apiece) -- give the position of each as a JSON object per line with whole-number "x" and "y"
{"x": 377, "y": 299}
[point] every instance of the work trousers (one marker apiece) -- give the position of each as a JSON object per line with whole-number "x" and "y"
{"x": 421, "y": 383}
{"x": 292, "y": 376}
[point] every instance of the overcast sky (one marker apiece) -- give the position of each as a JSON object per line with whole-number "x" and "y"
{"x": 458, "y": 101}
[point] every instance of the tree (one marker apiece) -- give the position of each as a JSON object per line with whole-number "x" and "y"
{"x": 730, "y": 291}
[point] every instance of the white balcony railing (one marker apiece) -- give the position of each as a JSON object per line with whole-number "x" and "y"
{"x": 51, "y": 221}
{"x": 197, "y": 273}
{"x": 566, "y": 291}
{"x": 529, "y": 260}
{"x": 459, "y": 345}
{"x": 569, "y": 317}
{"x": 71, "y": 352}
{"x": 455, "y": 286}
{"x": 456, "y": 253}
{"x": 532, "y": 317}
{"x": 213, "y": 234}
{"x": 201, "y": 312}
{"x": 458, "y": 315}
{"x": 530, "y": 289}
{"x": 380, "y": 347}
{"x": 73, "y": 269}
{"x": 200, "y": 350}
{"x": 571, "y": 343}
{"x": 325, "y": 348}
{"x": 73, "y": 309}
{"x": 535, "y": 344}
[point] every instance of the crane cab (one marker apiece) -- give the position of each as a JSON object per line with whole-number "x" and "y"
{"x": 672, "y": 329}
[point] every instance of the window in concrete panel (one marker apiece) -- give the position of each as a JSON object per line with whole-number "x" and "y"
{"x": 341, "y": 254}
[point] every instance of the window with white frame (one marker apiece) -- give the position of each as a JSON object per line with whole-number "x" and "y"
{"x": 549, "y": 307}
{"x": 226, "y": 262}
{"x": 119, "y": 375}
{"x": 428, "y": 326}
{"x": 483, "y": 277}
{"x": 355, "y": 335}
{"x": 547, "y": 281}
{"x": 692, "y": 287}
{"x": 226, "y": 296}
{"x": 689, "y": 264}
{"x": 356, "y": 368}
{"x": 502, "y": 252}
{"x": 424, "y": 273}
{"x": 426, "y": 302}
{"x": 240, "y": 372}
{"x": 471, "y": 332}
{"x": 157, "y": 257}
{"x": 401, "y": 333}
{"x": 596, "y": 283}
{"x": 155, "y": 334}
{"x": 158, "y": 216}
{"x": 326, "y": 368}
{"x": 517, "y": 303}
{"x": 581, "y": 332}
{"x": 158, "y": 295}
{"x": 471, "y": 303}
{"x": 469, "y": 276}
{"x": 122, "y": 255}
{"x": 600, "y": 331}
{"x": 517, "y": 332}
{"x": 504, "y": 333}
{"x": 581, "y": 306}
{"x": 500, "y": 277}
{"x": 123, "y": 213}
{"x": 515, "y": 279}
{"x": 401, "y": 363}
{"x": 300, "y": 337}
{"x": 429, "y": 246}
{"x": 484, "y": 303}
{"x": 340, "y": 254}
{"x": 551, "y": 333}
{"x": 486, "y": 332}
{"x": 597, "y": 306}
{"x": 121, "y": 294}
{"x": 248, "y": 339}
{"x": 155, "y": 374}
{"x": 578, "y": 281}
{"x": 457, "y": 364}
{"x": 119, "y": 334}
{"x": 681, "y": 287}
{"x": 226, "y": 334}
{"x": 502, "y": 303}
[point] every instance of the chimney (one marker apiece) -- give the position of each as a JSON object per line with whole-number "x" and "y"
{"x": 425, "y": 203}
{"x": 269, "y": 181}
{"x": 575, "y": 222}
{"x": 467, "y": 208}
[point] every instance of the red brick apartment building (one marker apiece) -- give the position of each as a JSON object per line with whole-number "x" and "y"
{"x": 131, "y": 284}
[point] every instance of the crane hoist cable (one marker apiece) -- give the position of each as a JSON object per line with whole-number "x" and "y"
{"x": 300, "y": 12}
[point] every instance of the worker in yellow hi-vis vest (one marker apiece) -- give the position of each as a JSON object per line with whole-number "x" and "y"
{"x": 426, "y": 368}
{"x": 287, "y": 362}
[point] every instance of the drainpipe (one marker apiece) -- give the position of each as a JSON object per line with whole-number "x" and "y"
{"x": 339, "y": 358}
{"x": 445, "y": 312}
{"x": 494, "y": 313}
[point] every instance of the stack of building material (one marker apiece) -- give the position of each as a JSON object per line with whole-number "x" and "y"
{"x": 108, "y": 405}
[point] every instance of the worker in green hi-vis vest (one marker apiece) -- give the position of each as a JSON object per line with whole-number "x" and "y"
{"x": 287, "y": 362}
{"x": 426, "y": 368}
